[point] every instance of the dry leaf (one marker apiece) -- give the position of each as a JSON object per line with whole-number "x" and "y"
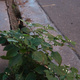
{"x": 20, "y": 3}
{"x": 28, "y": 20}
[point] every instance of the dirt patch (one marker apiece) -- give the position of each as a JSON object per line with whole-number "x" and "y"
{"x": 13, "y": 13}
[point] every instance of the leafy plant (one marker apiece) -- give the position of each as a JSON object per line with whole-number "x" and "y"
{"x": 29, "y": 57}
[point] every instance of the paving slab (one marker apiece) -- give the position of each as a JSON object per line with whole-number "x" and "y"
{"x": 4, "y": 25}
{"x": 31, "y": 9}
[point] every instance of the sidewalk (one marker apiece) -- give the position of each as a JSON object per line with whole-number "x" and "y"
{"x": 30, "y": 9}
{"x": 4, "y": 25}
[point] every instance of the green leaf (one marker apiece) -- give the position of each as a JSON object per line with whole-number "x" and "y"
{"x": 40, "y": 69}
{"x": 40, "y": 57}
{"x": 35, "y": 41}
{"x": 32, "y": 47}
{"x": 62, "y": 77}
{"x": 78, "y": 76}
{"x": 37, "y": 25}
{"x": 25, "y": 30}
{"x": 26, "y": 40}
{"x": 1, "y": 75}
{"x": 8, "y": 47}
{"x": 39, "y": 30}
{"x": 55, "y": 78}
{"x": 70, "y": 76}
{"x": 12, "y": 40}
{"x": 73, "y": 43}
{"x": 59, "y": 37}
{"x": 4, "y": 33}
{"x": 12, "y": 52}
{"x": 45, "y": 45}
{"x": 0, "y": 31}
{"x": 68, "y": 40}
{"x": 51, "y": 28}
{"x": 15, "y": 35}
{"x": 57, "y": 57}
{"x": 7, "y": 70}
{"x": 31, "y": 76}
{"x": 13, "y": 6}
{"x": 49, "y": 36}
{"x": 52, "y": 66}
{"x": 58, "y": 43}
{"x": 2, "y": 40}
{"x": 57, "y": 69}
{"x": 4, "y": 77}
{"x": 19, "y": 77}
{"x": 74, "y": 70}
{"x": 5, "y": 57}
{"x": 17, "y": 60}
{"x": 23, "y": 50}
{"x": 49, "y": 76}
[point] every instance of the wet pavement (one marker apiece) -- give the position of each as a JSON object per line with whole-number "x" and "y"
{"x": 4, "y": 25}
{"x": 33, "y": 11}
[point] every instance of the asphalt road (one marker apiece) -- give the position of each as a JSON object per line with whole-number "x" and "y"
{"x": 65, "y": 14}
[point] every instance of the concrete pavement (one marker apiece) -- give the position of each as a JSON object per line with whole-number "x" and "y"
{"x": 4, "y": 25}
{"x": 65, "y": 14}
{"x": 31, "y": 10}
{"x": 4, "y": 20}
